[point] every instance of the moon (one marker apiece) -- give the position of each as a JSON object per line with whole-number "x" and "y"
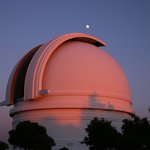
{"x": 87, "y": 26}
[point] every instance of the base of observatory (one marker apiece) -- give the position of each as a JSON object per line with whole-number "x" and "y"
{"x": 67, "y": 126}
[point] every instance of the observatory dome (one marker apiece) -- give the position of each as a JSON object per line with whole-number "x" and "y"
{"x": 70, "y": 66}
{"x": 64, "y": 83}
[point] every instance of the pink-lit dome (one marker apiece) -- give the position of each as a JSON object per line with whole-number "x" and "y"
{"x": 70, "y": 67}
{"x": 81, "y": 67}
{"x": 64, "y": 83}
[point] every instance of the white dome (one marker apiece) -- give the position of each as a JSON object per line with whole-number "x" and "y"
{"x": 74, "y": 65}
{"x": 66, "y": 82}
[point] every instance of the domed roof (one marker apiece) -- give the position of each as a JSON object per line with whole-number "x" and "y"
{"x": 71, "y": 64}
{"x": 79, "y": 68}
{"x": 82, "y": 67}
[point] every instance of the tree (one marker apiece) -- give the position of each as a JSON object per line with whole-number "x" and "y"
{"x": 64, "y": 148}
{"x": 3, "y": 145}
{"x": 26, "y": 133}
{"x": 43, "y": 142}
{"x": 135, "y": 134}
{"x": 101, "y": 135}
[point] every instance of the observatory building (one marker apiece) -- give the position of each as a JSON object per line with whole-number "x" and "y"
{"x": 64, "y": 83}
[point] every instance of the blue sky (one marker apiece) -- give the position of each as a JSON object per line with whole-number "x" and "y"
{"x": 123, "y": 24}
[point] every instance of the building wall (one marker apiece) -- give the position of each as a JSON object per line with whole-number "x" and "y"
{"x": 67, "y": 125}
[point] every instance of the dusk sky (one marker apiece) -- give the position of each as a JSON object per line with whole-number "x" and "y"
{"x": 123, "y": 24}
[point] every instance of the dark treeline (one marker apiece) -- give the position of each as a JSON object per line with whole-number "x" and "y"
{"x": 101, "y": 135}
{"x": 135, "y": 135}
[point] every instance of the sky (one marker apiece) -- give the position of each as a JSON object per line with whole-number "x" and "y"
{"x": 123, "y": 24}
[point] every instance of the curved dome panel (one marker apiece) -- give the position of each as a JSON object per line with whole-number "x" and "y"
{"x": 79, "y": 67}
